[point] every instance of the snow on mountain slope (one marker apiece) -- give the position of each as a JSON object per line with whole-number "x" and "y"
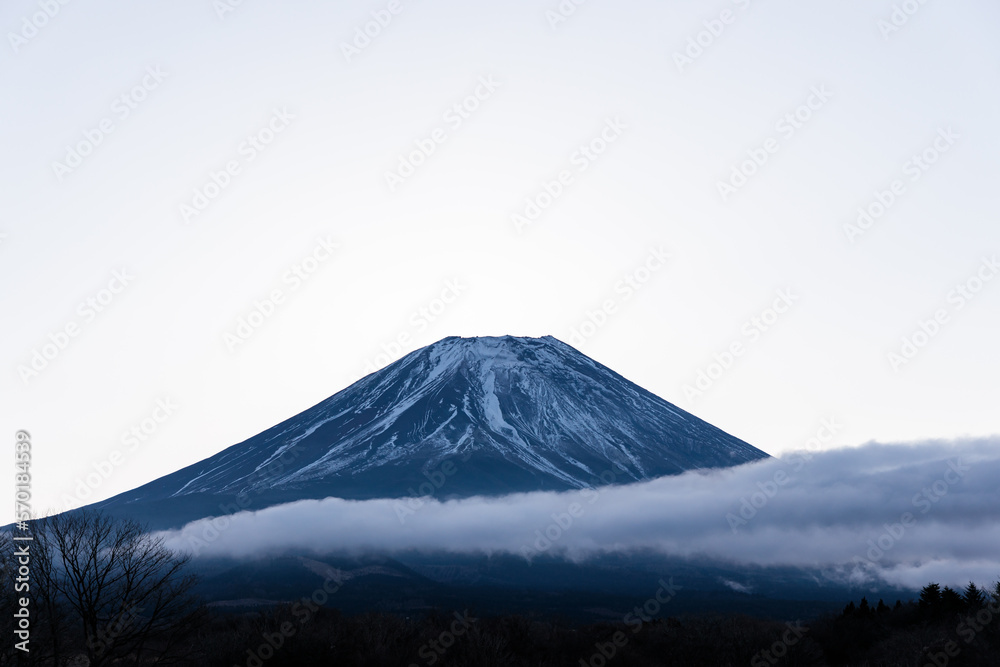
{"x": 510, "y": 414}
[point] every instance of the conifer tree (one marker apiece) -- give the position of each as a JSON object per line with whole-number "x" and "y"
{"x": 974, "y": 598}
{"x": 951, "y": 600}
{"x": 930, "y": 597}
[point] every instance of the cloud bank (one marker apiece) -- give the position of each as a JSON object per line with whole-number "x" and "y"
{"x": 902, "y": 513}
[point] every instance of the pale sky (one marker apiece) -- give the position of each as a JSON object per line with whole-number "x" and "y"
{"x": 170, "y": 168}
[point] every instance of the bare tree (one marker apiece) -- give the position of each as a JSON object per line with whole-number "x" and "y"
{"x": 104, "y": 588}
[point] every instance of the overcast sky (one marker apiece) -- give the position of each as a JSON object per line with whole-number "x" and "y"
{"x": 173, "y": 170}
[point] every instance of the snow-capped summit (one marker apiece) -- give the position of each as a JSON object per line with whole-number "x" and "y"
{"x": 460, "y": 417}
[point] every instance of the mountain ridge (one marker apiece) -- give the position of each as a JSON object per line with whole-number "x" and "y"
{"x": 511, "y": 414}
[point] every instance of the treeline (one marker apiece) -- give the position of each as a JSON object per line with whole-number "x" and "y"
{"x": 944, "y": 628}
{"x": 103, "y": 592}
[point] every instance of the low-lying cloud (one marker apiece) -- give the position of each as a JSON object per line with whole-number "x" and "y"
{"x": 903, "y": 513}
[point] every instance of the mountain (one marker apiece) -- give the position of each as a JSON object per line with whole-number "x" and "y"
{"x": 460, "y": 417}
{"x": 596, "y": 589}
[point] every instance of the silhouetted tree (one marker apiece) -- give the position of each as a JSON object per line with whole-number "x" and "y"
{"x": 974, "y": 598}
{"x": 951, "y": 600}
{"x": 930, "y": 598}
{"x": 863, "y": 608}
{"x": 107, "y": 590}
{"x": 881, "y": 608}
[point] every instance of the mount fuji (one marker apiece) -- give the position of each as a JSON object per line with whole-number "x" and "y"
{"x": 458, "y": 418}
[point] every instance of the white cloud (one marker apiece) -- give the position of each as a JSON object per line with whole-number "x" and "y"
{"x": 902, "y": 513}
